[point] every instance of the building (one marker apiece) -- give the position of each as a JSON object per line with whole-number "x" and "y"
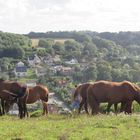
{"x": 73, "y": 61}
{"x": 20, "y": 70}
{"x": 34, "y": 60}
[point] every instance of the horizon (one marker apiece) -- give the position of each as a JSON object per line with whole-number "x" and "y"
{"x": 69, "y": 31}
{"x": 24, "y": 16}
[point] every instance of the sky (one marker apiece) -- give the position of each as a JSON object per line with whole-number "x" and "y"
{"x": 24, "y": 16}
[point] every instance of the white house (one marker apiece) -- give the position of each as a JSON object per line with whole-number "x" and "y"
{"x": 73, "y": 61}
{"x": 20, "y": 70}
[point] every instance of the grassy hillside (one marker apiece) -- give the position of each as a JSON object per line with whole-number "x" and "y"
{"x": 56, "y": 127}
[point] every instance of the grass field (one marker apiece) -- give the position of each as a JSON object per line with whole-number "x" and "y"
{"x": 83, "y": 127}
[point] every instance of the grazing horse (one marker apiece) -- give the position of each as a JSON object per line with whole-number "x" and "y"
{"x": 82, "y": 91}
{"x": 8, "y": 97}
{"x": 38, "y": 92}
{"x": 19, "y": 90}
{"x": 113, "y": 93}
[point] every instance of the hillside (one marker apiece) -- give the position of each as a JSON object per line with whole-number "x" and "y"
{"x": 72, "y": 57}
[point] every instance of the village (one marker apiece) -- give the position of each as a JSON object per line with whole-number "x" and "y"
{"x": 38, "y": 66}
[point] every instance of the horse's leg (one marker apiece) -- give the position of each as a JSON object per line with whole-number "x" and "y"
{"x": 80, "y": 106}
{"x": 3, "y": 106}
{"x": 43, "y": 105}
{"x": 123, "y": 106}
{"x": 0, "y": 111}
{"x": 95, "y": 107}
{"x": 46, "y": 109}
{"x": 115, "y": 107}
{"x": 20, "y": 107}
{"x": 128, "y": 107}
{"x": 108, "y": 107}
{"x": 25, "y": 110}
{"x": 86, "y": 107}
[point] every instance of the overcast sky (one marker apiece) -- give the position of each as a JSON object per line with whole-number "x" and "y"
{"x": 23, "y": 16}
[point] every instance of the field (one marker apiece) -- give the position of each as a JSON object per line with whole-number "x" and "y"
{"x": 36, "y": 41}
{"x": 82, "y": 127}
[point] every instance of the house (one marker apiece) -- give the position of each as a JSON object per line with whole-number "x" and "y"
{"x": 48, "y": 60}
{"x": 73, "y": 61}
{"x": 56, "y": 58}
{"x": 34, "y": 60}
{"x": 66, "y": 71}
{"x": 20, "y": 70}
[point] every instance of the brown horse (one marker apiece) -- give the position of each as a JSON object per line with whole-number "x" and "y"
{"x": 82, "y": 91}
{"x": 17, "y": 89}
{"x": 113, "y": 93}
{"x": 38, "y": 92}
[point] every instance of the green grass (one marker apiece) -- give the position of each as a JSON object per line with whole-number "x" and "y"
{"x": 83, "y": 127}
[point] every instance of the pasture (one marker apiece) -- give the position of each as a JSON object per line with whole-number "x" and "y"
{"x": 60, "y": 40}
{"x": 65, "y": 127}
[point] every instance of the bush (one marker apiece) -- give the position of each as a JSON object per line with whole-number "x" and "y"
{"x": 36, "y": 113}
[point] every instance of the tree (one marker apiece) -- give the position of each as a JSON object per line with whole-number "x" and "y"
{"x": 46, "y": 43}
{"x": 104, "y": 71}
{"x": 90, "y": 73}
{"x": 58, "y": 48}
{"x": 89, "y": 49}
{"x": 71, "y": 46}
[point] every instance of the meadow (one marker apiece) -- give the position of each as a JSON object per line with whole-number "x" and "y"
{"x": 71, "y": 127}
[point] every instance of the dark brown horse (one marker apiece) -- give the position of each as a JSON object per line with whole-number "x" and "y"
{"x": 38, "y": 92}
{"x": 17, "y": 89}
{"x": 113, "y": 93}
{"x": 8, "y": 97}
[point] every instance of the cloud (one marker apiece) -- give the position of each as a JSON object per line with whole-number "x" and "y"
{"x": 22, "y": 16}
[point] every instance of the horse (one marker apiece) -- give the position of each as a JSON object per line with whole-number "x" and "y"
{"x": 19, "y": 90}
{"x": 39, "y": 92}
{"x": 113, "y": 93}
{"x": 8, "y": 97}
{"x": 81, "y": 91}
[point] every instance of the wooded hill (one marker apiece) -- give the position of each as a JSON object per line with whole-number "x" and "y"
{"x": 108, "y": 56}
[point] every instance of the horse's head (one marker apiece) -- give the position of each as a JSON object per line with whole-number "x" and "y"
{"x": 8, "y": 104}
{"x": 12, "y": 98}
